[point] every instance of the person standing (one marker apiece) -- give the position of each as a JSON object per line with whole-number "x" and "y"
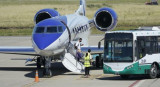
{"x": 78, "y": 48}
{"x": 87, "y": 63}
{"x": 79, "y": 44}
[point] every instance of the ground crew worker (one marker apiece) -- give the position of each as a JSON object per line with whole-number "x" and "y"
{"x": 87, "y": 63}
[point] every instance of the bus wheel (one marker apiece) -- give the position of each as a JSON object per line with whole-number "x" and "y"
{"x": 153, "y": 71}
{"x": 124, "y": 76}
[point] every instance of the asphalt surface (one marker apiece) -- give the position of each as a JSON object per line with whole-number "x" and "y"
{"x": 15, "y": 73}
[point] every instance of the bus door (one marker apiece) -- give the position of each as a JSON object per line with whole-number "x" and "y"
{"x": 141, "y": 51}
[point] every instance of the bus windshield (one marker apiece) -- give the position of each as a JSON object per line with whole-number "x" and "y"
{"x": 118, "y": 47}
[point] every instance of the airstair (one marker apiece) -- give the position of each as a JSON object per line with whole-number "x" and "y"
{"x": 72, "y": 64}
{"x": 70, "y": 61}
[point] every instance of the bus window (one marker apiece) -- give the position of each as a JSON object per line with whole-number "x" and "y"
{"x": 154, "y": 47}
{"x": 158, "y": 39}
{"x": 119, "y": 51}
{"x": 109, "y": 50}
{"x": 129, "y": 44}
{"x": 148, "y": 47}
{"x": 118, "y": 47}
{"x": 159, "y": 47}
{"x": 141, "y": 47}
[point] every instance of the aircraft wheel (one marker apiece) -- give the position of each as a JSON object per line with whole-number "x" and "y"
{"x": 47, "y": 73}
{"x": 47, "y": 68}
{"x": 38, "y": 63}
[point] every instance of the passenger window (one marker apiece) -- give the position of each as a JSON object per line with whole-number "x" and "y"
{"x": 52, "y": 29}
{"x": 129, "y": 44}
{"x": 40, "y": 29}
{"x": 60, "y": 29}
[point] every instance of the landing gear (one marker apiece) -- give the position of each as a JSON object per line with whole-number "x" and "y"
{"x": 46, "y": 62}
{"x": 39, "y": 62}
{"x": 47, "y": 68}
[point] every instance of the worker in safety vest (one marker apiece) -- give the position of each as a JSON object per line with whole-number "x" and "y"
{"x": 87, "y": 62}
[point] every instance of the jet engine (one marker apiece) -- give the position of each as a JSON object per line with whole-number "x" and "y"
{"x": 45, "y": 14}
{"x": 105, "y": 19}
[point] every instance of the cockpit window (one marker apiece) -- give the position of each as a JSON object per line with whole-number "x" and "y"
{"x": 60, "y": 29}
{"x": 49, "y": 29}
{"x": 52, "y": 29}
{"x": 40, "y": 29}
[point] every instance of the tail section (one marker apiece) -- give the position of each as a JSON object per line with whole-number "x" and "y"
{"x": 82, "y": 8}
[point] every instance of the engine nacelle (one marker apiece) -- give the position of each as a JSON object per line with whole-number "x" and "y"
{"x": 45, "y": 14}
{"x": 105, "y": 19}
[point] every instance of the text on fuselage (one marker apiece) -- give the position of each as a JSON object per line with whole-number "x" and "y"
{"x": 80, "y": 29}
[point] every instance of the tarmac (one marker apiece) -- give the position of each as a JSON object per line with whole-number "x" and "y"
{"x": 15, "y": 73}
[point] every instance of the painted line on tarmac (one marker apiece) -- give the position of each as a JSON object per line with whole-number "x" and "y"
{"x": 133, "y": 84}
{"x": 137, "y": 83}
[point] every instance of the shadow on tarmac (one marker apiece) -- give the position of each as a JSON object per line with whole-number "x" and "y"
{"x": 57, "y": 69}
{"x": 135, "y": 77}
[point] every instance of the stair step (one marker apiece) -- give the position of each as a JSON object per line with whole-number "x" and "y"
{"x": 70, "y": 62}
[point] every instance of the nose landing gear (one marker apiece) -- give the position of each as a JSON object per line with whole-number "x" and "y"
{"x": 46, "y": 61}
{"x": 47, "y": 68}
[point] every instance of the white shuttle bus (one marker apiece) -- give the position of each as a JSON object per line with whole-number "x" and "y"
{"x": 132, "y": 52}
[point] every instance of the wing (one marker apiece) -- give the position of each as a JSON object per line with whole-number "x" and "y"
{"x": 94, "y": 49}
{"x": 18, "y": 50}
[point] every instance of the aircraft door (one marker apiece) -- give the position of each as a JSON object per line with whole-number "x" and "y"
{"x": 69, "y": 33}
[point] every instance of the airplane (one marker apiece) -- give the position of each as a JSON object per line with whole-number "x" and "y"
{"x": 54, "y": 36}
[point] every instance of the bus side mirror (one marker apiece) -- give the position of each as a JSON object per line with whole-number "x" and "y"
{"x": 99, "y": 45}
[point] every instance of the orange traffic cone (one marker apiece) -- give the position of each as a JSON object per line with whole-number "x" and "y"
{"x": 36, "y": 76}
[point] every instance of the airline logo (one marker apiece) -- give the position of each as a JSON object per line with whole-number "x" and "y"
{"x": 81, "y": 29}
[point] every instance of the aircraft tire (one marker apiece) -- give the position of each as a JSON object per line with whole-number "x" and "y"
{"x": 47, "y": 68}
{"x": 38, "y": 63}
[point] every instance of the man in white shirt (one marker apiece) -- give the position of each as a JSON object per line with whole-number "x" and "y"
{"x": 79, "y": 44}
{"x": 78, "y": 48}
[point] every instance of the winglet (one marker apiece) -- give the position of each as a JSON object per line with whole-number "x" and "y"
{"x": 82, "y": 8}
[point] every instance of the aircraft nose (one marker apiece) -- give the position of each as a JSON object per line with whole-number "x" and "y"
{"x": 47, "y": 32}
{"x": 44, "y": 40}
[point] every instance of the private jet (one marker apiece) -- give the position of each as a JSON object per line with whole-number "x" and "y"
{"x": 54, "y": 36}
